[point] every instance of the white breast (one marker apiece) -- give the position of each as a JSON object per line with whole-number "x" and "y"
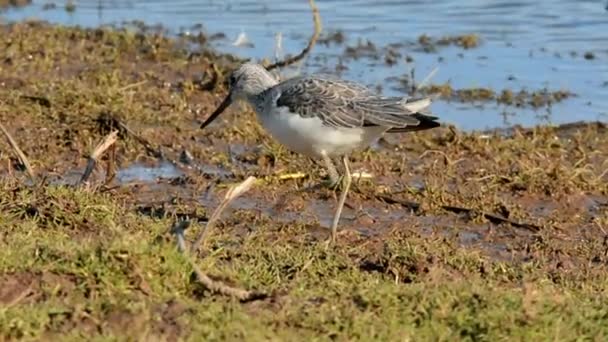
{"x": 311, "y": 137}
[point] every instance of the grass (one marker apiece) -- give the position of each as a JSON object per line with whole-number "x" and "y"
{"x": 100, "y": 263}
{"x": 522, "y": 98}
{"x": 90, "y": 267}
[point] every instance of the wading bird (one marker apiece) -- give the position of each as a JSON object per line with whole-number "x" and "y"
{"x": 322, "y": 116}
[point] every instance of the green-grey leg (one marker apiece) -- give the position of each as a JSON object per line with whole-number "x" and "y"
{"x": 346, "y": 186}
{"x": 334, "y": 177}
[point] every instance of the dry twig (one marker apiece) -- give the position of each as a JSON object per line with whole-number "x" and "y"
{"x": 205, "y": 280}
{"x": 311, "y": 43}
{"x": 231, "y": 195}
{"x": 110, "y": 166}
{"x": 156, "y": 153}
{"x": 221, "y": 288}
{"x": 108, "y": 141}
{"x": 132, "y": 85}
{"x": 426, "y": 79}
{"x": 19, "y": 153}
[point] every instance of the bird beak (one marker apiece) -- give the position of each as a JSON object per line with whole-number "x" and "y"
{"x": 227, "y": 101}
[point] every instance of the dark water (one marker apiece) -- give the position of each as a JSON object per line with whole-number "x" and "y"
{"x": 526, "y": 44}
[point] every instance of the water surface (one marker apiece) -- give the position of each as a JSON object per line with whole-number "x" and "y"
{"x": 526, "y": 44}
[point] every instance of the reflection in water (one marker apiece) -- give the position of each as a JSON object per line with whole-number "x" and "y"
{"x": 526, "y": 44}
{"x": 144, "y": 173}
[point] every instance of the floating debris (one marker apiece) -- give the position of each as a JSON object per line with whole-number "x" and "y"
{"x": 242, "y": 40}
{"x": 336, "y": 37}
{"x": 467, "y": 41}
{"x": 362, "y": 49}
{"x": 509, "y": 97}
{"x": 14, "y": 3}
{"x": 70, "y": 6}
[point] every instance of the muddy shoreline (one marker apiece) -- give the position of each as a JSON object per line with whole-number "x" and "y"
{"x": 102, "y": 258}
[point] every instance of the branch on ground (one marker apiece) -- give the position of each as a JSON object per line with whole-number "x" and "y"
{"x": 108, "y": 141}
{"x": 311, "y": 43}
{"x": 150, "y": 149}
{"x": 19, "y": 153}
{"x": 232, "y": 194}
{"x": 214, "y": 286}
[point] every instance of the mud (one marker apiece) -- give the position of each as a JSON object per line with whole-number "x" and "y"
{"x": 14, "y": 3}
{"x": 442, "y": 205}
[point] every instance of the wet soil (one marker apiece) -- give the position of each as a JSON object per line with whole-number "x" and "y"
{"x": 443, "y": 207}
{"x": 14, "y": 3}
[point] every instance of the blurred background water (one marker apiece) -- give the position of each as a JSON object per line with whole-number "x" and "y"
{"x": 525, "y": 44}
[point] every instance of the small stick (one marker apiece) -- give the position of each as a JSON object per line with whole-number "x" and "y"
{"x": 311, "y": 43}
{"x": 231, "y": 195}
{"x": 157, "y": 153}
{"x": 9, "y": 167}
{"x": 427, "y": 78}
{"x": 204, "y": 279}
{"x": 132, "y": 85}
{"x": 221, "y": 288}
{"x": 278, "y": 46}
{"x": 19, "y": 153}
{"x": 110, "y": 166}
{"x": 108, "y": 141}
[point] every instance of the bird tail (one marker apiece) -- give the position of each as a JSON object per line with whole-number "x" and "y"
{"x": 420, "y": 106}
{"x": 416, "y": 105}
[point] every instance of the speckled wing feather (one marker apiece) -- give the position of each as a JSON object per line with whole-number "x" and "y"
{"x": 346, "y": 104}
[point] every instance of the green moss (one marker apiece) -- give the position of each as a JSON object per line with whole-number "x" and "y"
{"x": 465, "y": 41}
{"x": 125, "y": 272}
{"x": 521, "y": 98}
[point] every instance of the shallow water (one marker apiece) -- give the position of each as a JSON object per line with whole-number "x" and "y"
{"x": 526, "y": 44}
{"x": 147, "y": 173}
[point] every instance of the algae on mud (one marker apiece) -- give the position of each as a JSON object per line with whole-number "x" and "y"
{"x": 520, "y": 98}
{"x": 14, "y": 3}
{"x": 76, "y": 264}
{"x": 466, "y": 41}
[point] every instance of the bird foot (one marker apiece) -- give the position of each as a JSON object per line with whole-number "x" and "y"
{"x": 328, "y": 243}
{"x": 333, "y": 183}
{"x": 332, "y": 238}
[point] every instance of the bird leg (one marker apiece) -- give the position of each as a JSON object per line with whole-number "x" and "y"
{"x": 345, "y": 187}
{"x": 334, "y": 178}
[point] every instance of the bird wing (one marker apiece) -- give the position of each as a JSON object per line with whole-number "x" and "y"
{"x": 345, "y": 104}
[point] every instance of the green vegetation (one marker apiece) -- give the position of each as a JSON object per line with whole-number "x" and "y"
{"x": 100, "y": 261}
{"x": 520, "y": 98}
{"x": 465, "y": 41}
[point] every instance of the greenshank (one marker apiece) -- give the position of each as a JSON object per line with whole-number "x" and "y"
{"x": 322, "y": 116}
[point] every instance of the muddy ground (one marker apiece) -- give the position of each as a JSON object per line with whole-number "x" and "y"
{"x": 471, "y": 236}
